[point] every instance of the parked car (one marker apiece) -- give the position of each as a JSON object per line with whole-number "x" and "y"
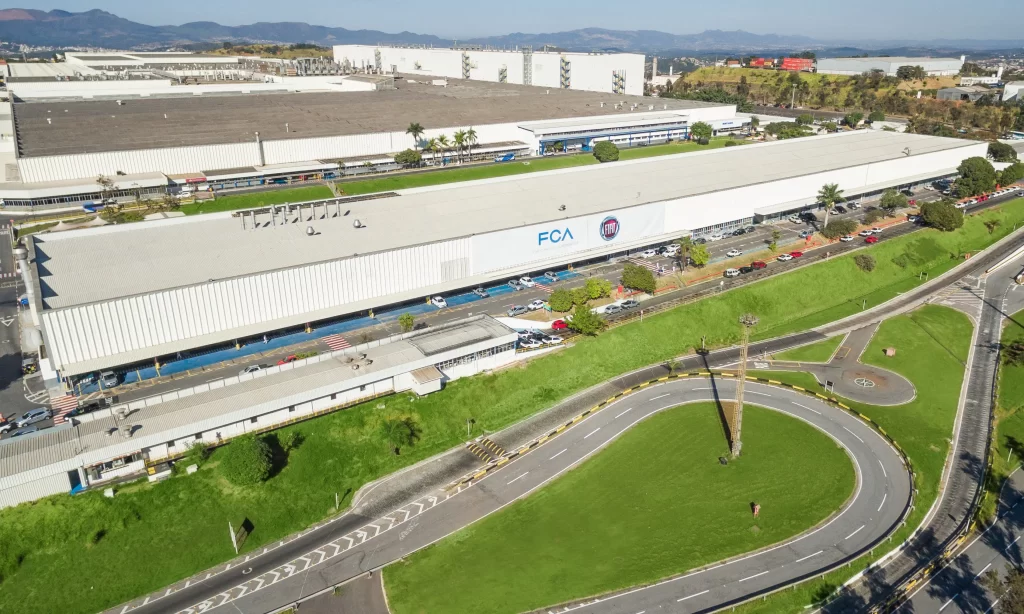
{"x": 32, "y": 416}
{"x": 480, "y": 292}
{"x": 252, "y": 369}
{"x": 746, "y": 269}
{"x": 758, "y": 264}
{"x": 648, "y": 253}
{"x": 871, "y": 239}
{"x": 732, "y": 272}
{"x": 439, "y": 302}
{"x": 530, "y": 344}
{"x": 629, "y": 304}
{"x": 732, "y": 253}
{"x": 5, "y": 425}
{"x": 108, "y": 379}
{"x": 839, "y": 209}
{"x": 751, "y": 229}
{"x": 515, "y": 285}
{"x": 913, "y": 218}
{"x": 716, "y": 237}
{"x": 795, "y": 219}
{"x": 288, "y": 359}
{"x": 88, "y": 408}
{"x": 24, "y": 431}
{"x": 739, "y": 231}
{"x": 551, "y": 276}
{"x": 700, "y": 241}
{"x": 806, "y": 233}
{"x": 535, "y": 305}
{"x": 551, "y": 340}
{"x": 525, "y": 334}
{"x": 612, "y": 310}
{"x": 912, "y": 202}
{"x": 875, "y": 230}
{"x": 669, "y": 251}
{"x": 865, "y": 233}
{"x": 527, "y": 281}
{"x": 853, "y": 205}
{"x": 796, "y": 254}
{"x": 516, "y": 310}
{"x": 559, "y": 325}
{"x": 846, "y": 238}
{"x": 784, "y": 258}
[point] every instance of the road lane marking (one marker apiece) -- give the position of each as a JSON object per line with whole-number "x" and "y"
{"x": 854, "y": 434}
{"x": 982, "y": 571}
{"x": 855, "y": 532}
{"x": 695, "y": 389}
{"x": 624, "y": 413}
{"x": 592, "y": 432}
{"x": 659, "y": 397}
{"x": 1011, "y": 544}
{"x": 764, "y": 394}
{"x": 807, "y": 408}
{"x": 695, "y": 595}
{"x": 809, "y": 556}
{"x": 949, "y": 602}
{"x": 557, "y": 455}
{"x": 514, "y": 479}
{"x": 884, "y": 495}
{"x": 884, "y": 475}
{"x": 757, "y": 575}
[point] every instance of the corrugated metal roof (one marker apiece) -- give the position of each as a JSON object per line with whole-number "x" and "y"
{"x": 134, "y": 259}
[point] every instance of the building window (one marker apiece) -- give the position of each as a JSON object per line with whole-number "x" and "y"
{"x": 253, "y": 420}
{"x": 199, "y": 437}
{"x": 291, "y": 408}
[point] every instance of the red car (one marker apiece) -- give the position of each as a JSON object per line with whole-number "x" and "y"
{"x": 287, "y": 359}
{"x": 796, "y": 254}
{"x": 911, "y": 202}
{"x": 558, "y": 325}
{"x": 757, "y": 264}
{"x": 871, "y": 239}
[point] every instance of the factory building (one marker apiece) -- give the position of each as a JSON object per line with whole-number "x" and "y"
{"x": 613, "y": 73}
{"x": 889, "y": 65}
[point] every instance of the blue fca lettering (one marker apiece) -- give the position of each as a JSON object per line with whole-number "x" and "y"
{"x": 555, "y": 236}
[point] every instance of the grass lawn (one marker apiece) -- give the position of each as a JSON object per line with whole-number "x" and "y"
{"x": 821, "y": 351}
{"x": 932, "y": 343}
{"x": 1008, "y": 441}
{"x": 152, "y": 533}
{"x": 617, "y": 521}
{"x": 258, "y": 199}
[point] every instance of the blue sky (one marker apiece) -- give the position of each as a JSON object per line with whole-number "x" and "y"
{"x": 825, "y": 19}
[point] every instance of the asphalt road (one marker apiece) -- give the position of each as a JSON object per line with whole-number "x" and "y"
{"x": 879, "y": 501}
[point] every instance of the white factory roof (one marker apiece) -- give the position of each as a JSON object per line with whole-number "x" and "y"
{"x": 28, "y": 70}
{"x": 153, "y": 256}
{"x": 891, "y": 59}
{"x": 46, "y": 189}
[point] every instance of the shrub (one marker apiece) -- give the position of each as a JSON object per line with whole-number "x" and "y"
{"x": 290, "y": 440}
{"x": 399, "y": 433}
{"x": 732, "y": 143}
{"x": 597, "y": 287}
{"x": 942, "y": 215}
{"x": 701, "y": 132}
{"x": 606, "y": 151}
{"x": 407, "y": 322}
{"x": 876, "y": 116}
{"x": 585, "y": 322}
{"x": 196, "y": 454}
{"x": 805, "y": 119}
{"x": 892, "y": 200}
{"x": 873, "y": 216}
{"x": 1012, "y": 174}
{"x": 838, "y": 228}
{"x": 409, "y": 157}
{"x": 247, "y": 461}
{"x": 560, "y": 300}
{"x": 638, "y": 278}
{"x": 864, "y": 262}
{"x": 580, "y": 296}
{"x": 853, "y": 119}
{"x": 1001, "y": 152}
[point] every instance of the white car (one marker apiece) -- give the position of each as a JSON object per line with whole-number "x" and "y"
{"x": 648, "y": 253}
{"x": 846, "y": 238}
{"x": 252, "y": 369}
{"x": 876, "y": 230}
{"x": 716, "y": 237}
{"x": 784, "y": 258}
{"x": 669, "y": 250}
{"x": 865, "y": 233}
{"x": 552, "y": 340}
{"x": 439, "y": 302}
{"x": 732, "y": 253}
{"x": 527, "y": 281}
{"x": 529, "y": 343}
{"x": 732, "y": 272}
{"x": 535, "y": 305}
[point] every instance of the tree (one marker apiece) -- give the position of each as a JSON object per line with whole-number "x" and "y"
{"x": 787, "y": 130}
{"x": 699, "y": 255}
{"x": 580, "y": 296}
{"x": 942, "y": 215}
{"x": 433, "y": 146}
{"x": 398, "y": 433}
{"x": 247, "y": 461}
{"x": 829, "y": 196}
{"x": 805, "y": 119}
{"x": 606, "y": 151}
{"x": 1010, "y": 589}
{"x": 416, "y": 131}
{"x": 584, "y": 321}
{"x": 839, "y": 228}
{"x": 170, "y": 202}
{"x": 407, "y": 322}
{"x": 459, "y": 139}
{"x": 873, "y": 216}
{"x": 443, "y": 143}
{"x": 853, "y": 119}
{"x": 1001, "y": 152}
{"x": 991, "y": 225}
{"x": 876, "y": 116}
{"x": 409, "y": 157}
{"x": 1012, "y": 174}
{"x": 830, "y": 127}
{"x": 700, "y": 132}
{"x": 977, "y": 176}
{"x": 909, "y": 73}
{"x": 106, "y": 185}
{"x": 891, "y": 201}
{"x": 195, "y": 454}
{"x": 685, "y": 246}
{"x": 1013, "y": 354}
{"x": 470, "y": 141}
{"x": 864, "y": 262}
{"x": 638, "y": 278}
{"x": 560, "y": 300}
{"x": 597, "y": 287}
{"x": 754, "y": 123}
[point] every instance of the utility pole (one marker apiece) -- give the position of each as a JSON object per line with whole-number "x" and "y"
{"x": 792, "y": 98}
{"x": 747, "y": 321}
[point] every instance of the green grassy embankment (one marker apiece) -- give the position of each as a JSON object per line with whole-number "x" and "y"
{"x": 821, "y": 351}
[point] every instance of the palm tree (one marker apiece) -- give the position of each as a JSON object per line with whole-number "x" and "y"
{"x": 470, "y": 140}
{"x": 830, "y": 195}
{"x": 460, "y": 142}
{"x": 416, "y": 131}
{"x": 434, "y": 147}
{"x": 442, "y": 140}
{"x": 684, "y": 244}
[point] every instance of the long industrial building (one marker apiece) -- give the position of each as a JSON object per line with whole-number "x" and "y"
{"x": 180, "y": 284}
{"x": 613, "y": 73}
{"x": 888, "y": 65}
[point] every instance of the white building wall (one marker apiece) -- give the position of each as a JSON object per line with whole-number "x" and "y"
{"x": 29, "y": 491}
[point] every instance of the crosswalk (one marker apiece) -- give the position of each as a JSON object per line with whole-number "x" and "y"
{"x": 965, "y": 295}
{"x": 336, "y": 342}
{"x": 644, "y": 263}
{"x": 62, "y": 406}
{"x": 545, "y": 288}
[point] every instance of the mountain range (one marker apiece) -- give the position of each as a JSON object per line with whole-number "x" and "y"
{"x": 96, "y": 28}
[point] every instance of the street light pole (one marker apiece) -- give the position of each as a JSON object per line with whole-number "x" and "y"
{"x": 747, "y": 321}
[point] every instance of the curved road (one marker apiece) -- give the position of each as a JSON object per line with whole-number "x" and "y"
{"x": 882, "y": 495}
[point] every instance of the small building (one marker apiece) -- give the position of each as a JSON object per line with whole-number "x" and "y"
{"x": 1014, "y": 90}
{"x": 966, "y": 93}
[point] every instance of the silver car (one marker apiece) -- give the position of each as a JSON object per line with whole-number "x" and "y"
{"x": 31, "y": 417}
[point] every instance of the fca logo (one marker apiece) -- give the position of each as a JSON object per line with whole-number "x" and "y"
{"x": 555, "y": 236}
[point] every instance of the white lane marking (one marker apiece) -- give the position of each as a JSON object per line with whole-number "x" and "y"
{"x": 982, "y": 571}
{"x": 809, "y": 556}
{"x": 764, "y": 394}
{"x": 624, "y": 413}
{"x": 592, "y": 432}
{"x": 949, "y": 602}
{"x": 855, "y": 532}
{"x": 700, "y": 389}
{"x": 1011, "y": 544}
{"x": 884, "y": 475}
{"x": 514, "y": 479}
{"x": 659, "y": 397}
{"x": 557, "y": 455}
{"x": 854, "y": 434}
{"x": 807, "y": 408}
{"x": 757, "y": 575}
{"x": 694, "y": 595}
{"x": 884, "y": 495}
